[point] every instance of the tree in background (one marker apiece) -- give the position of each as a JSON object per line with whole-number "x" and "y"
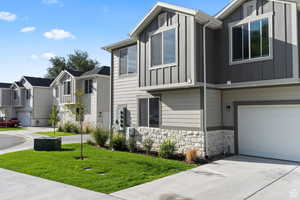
{"x": 78, "y": 61}
{"x": 54, "y": 118}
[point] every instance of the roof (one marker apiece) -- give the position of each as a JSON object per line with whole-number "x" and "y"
{"x": 36, "y": 81}
{"x": 73, "y": 72}
{"x": 199, "y": 16}
{"x": 19, "y": 84}
{"x": 234, "y": 4}
{"x": 104, "y": 70}
{"x": 5, "y": 85}
{"x": 119, "y": 44}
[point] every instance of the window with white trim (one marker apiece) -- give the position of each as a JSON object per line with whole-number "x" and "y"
{"x": 67, "y": 87}
{"x": 28, "y": 94}
{"x": 88, "y": 86}
{"x": 128, "y": 60}
{"x": 56, "y": 92}
{"x": 251, "y": 40}
{"x": 163, "y": 47}
{"x": 149, "y": 112}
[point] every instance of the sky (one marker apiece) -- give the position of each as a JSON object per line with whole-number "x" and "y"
{"x": 32, "y": 31}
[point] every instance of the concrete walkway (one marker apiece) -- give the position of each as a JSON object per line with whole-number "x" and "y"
{"x": 234, "y": 178}
{"x": 29, "y": 134}
{"x": 17, "y": 186}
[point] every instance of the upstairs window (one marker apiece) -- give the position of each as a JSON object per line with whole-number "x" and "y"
{"x": 163, "y": 48}
{"x": 27, "y": 94}
{"x": 149, "y": 112}
{"x": 88, "y": 86}
{"x": 128, "y": 60}
{"x": 67, "y": 87}
{"x": 56, "y": 92}
{"x": 251, "y": 40}
{"x": 250, "y": 9}
{"x": 15, "y": 94}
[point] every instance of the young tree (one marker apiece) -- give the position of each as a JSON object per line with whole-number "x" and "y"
{"x": 54, "y": 118}
{"x": 78, "y": 109}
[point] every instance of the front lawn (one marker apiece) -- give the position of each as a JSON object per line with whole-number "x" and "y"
{"x": 57, "y": 134}
{"x": 103, "y": 171}
{"x": 11, "y": 129}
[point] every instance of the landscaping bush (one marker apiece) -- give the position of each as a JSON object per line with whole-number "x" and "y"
{"x": 90, "y": 142}
{"x": 118, "y": 142}
{"x": 60, "y": 128}
{"x": 148, "y": 144}
{"x": 70, "y": 127}
{"x": 167, "y": 149}
{"x": 100, "y": 136}
{"x": 75, "y": 128}
{"x": 131, "y": 144}
{"x": 88, "y": 128}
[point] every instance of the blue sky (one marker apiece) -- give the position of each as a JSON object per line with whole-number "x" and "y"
{"x": 34, "y": 30}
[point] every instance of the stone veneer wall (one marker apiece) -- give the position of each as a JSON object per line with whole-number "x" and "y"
{"x": 218, "y": 142}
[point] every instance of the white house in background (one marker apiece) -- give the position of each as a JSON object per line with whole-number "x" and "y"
{"x": 96, "y": 87}
{"x": 29, "y": 100}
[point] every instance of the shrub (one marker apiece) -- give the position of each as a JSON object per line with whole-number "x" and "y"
{"x": 67, "y": 127}
{"x": 191, "y": 155}
{"x": 148, "y": 144}
{"x": 100, "y": 136}
{"x": 88, "y": 128}
{"x": 90, "y": 142}
{"x": 60, "y": 128}
{"x": 118, "y": 142}
{"x": 167, "y": 149}
{"x": 131, "y": 144}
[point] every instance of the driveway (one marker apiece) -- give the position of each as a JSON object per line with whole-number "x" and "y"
{"x": 233, "y": 178}
{"x": 7, "y": 141}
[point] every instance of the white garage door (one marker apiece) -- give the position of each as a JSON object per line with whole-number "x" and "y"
{"x": 271, "y": 131}
{"x": 24, "y": 118}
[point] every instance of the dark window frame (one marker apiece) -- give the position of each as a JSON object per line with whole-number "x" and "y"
{"x": 67, "y": 88}
{"x": 128, "y": 60}
{"x": 28, "y": 94}
{"x": 148, "y": 113}
{"x": 88, "y": 86}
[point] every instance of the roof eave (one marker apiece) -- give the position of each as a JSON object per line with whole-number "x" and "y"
{"x": 119, "y": 44}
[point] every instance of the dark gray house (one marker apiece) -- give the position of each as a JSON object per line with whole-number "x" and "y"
{"x": 224, "y": 83}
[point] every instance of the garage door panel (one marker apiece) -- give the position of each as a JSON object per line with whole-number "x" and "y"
{"x": 270, "y": 131}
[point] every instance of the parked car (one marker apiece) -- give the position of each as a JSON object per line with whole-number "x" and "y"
{"x": 9, "y": 123}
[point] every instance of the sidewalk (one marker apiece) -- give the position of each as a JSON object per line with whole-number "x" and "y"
{"x": 17, "y": 186}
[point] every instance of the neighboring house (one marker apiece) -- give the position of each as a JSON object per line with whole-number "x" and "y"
{"x": 29, "y": 100}
{"x": 224, "y": 83}
{"x": 96, "y": 87}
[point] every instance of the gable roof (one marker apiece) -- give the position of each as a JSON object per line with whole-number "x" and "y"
{"x": 19, "y": 84}
{"x": 36, "y": 81}
{"x": 5, "y": 85}
{"x": 104, "y": 70}
{"x": 199, "y": 16}
{"x": 234, "y": 4}
{"x": 74, "y": 73}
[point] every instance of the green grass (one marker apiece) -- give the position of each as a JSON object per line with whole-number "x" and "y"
{"x": 111, "y": 171}
{"x": 11, "y": 129}
{"x": 57, "y": 134}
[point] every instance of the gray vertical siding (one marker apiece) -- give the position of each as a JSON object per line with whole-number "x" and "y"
{"x": 218, "y": 68}
{"x": 5, "y": 97}
{"x": 179, "y": 73}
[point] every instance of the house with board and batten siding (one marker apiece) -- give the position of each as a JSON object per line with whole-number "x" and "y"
{"x": 227, "y": 83}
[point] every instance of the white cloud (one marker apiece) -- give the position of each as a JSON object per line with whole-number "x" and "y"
{"x": 27, "y": 29}
{"x": 58, "y": 34}
{"x": 7, "y": 16}
{"x": 34, "y": 57}
{"x": 50, "y": 1}
{"x": 48, "y": 55}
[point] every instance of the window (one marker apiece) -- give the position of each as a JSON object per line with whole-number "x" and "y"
{"x": 128, "y": 60}
{"x": 88, "y": 86}
{"x": 56, "y": 92}
{"x": 27, "y": 94}
{"x": 251, "y": 40}
{"x": 149, "y": 112}
{"x": 163, "y": 48}
{"x": 67, "y": 87}
{"x": 15, "y": 94}
{"x": 162, "y": 19}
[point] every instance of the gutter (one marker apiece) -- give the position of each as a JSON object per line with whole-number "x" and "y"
{"x": 204, "y": 89}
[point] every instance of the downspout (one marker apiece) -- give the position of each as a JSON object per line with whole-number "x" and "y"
{"x": 204, "y": 89}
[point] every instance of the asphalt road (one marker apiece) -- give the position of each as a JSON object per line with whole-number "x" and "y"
{"x": 7, "y": 141}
